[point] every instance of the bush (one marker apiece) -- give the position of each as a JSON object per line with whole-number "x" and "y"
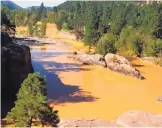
{"x": 106, "y": 44}
{"x": 157, "y": 47}
{"x": 65, "y": 26}
{"x": 30, "y": 29}
{"x": 59, "y": 24}
{"x": 43, "y": 28}
{"x": 37, "y": 30}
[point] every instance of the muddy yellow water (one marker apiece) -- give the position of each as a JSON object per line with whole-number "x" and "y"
{"x": 80, "y": 91}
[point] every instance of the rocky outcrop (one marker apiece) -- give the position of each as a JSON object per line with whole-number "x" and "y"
{"x": 139, "y": 119}
{"x": 94, "y": 59}
{"x": 121, "y": 64}
{"x": 85, "y": 123}
{"x": 128, "y": 119}
{"x": 16, "y": 64}
{"x": 111, "y": 61}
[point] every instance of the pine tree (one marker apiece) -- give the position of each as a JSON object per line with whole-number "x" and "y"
{"x": 32, "y": 103}
{"x": 91, "y": 33}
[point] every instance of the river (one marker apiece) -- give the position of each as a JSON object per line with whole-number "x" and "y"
{"x": 82, "y": 91}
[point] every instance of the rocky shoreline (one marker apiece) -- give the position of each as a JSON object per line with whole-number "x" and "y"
{"x": 111, "y": 61}
{"x": 128, "y": 119}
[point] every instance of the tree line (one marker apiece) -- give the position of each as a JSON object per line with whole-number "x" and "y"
{"x": 129, "y": 28}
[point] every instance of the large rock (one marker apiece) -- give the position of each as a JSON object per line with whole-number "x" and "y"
{"x": 5, "y": 39}
{"x": 129, "y": 119}
{"x": 94, "y": 59}
{"x": 16, "y": 65}
{"x": 121, "y": 64}
{"x": 139, "y": 119}
{"x": 85, "y": 123}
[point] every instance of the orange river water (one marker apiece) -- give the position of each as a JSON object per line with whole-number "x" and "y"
{"x": 82, "y": 91}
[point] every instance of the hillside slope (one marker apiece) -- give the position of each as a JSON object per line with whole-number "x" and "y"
{"x": 11, "y": 5}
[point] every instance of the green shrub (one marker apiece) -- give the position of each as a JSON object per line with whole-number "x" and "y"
{"x": 106, "y": 44}
{"x": 43, "y": 28}
{"x": 30, "y": 29}
{"x": 157, "y": 47}
{"x": 65, "y": 26}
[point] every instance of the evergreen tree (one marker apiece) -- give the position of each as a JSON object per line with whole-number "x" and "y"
{"x": 91, "y": 33}
{"x": 32, "y": 10}
{"x": 32, "y": 103}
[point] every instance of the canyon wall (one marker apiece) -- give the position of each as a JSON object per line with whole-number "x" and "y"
{"x": 15, "y": 67}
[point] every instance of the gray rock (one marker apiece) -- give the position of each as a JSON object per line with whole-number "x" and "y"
{"x": 85, "y": 123}
{"x": 121, "y": 64}
{"x": 94, "y": 59}
{"x": 139, "y": 119}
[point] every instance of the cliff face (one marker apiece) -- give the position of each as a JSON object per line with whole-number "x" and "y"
{"x": 15, "y": 66}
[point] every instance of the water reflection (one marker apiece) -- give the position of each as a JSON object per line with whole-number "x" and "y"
{"x": 58, "y": 92}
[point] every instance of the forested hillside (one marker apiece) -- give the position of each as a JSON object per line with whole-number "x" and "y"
{"x": 133, "y": 28}
{"x": 128, "y": 28}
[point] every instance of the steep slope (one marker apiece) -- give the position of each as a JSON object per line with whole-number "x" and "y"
{"x": 16, "y": 65}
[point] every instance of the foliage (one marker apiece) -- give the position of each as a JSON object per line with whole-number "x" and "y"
{"x": 136, "y": 24}
{"x": 30, "y": 29}
{"x": 106, "y": 44}
{"x": 32, "y": 103}
{"x": 91, "y": 34}
{"x": 157, "y": 48}
{"x": 65, "y": 26}
{"x": 43, "y": 28}
{"x": 37, "y": 30}
{"x": 61, "y": 18}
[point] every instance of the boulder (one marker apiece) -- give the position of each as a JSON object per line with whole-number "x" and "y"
{"x": 139, "y": 119}
{"x": 94, "y": 59}
{"x": 121, "y": 64}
